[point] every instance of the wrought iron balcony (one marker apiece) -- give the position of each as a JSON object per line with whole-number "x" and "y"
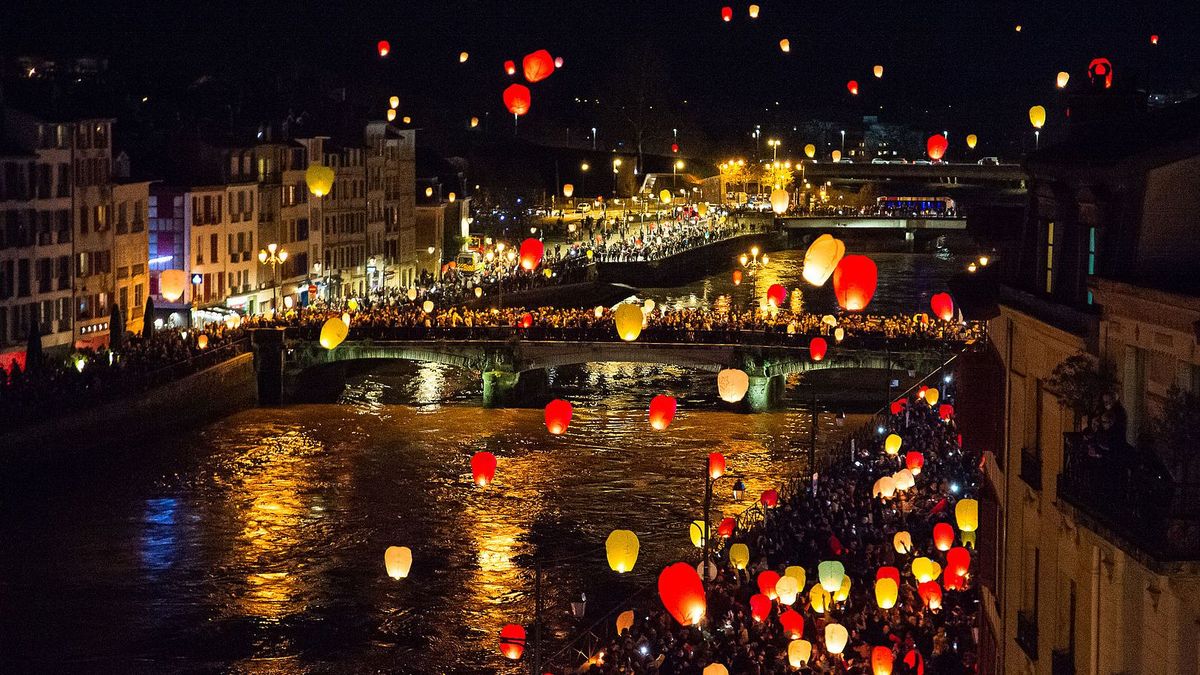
{"x": 1031, "y": 468}
{"x": 1027, "y": 633}
{"x": 1130, "y": 492}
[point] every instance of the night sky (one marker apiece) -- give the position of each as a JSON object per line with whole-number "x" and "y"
{"x": 955, "y": 65}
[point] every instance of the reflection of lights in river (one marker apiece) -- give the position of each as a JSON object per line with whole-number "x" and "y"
{"x": 431, "y": 379}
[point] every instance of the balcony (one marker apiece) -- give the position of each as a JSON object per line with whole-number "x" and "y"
{"x": 1130, "y": 497}
{"x": 1031, "y": 468}
{"x": 1062, "y": 662}
{"x": 1027, "y": 636}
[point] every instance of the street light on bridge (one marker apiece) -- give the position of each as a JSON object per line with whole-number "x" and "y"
{"x": 274, "y": 256}
{"x": 753, "y": 264}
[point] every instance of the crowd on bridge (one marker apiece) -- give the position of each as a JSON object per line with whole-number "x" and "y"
{"x": 655, "y": 241}
{"x": 838, "y": 520}
{"x": 877, "y": 211}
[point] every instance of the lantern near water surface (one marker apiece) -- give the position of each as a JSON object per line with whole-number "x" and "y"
{"x": 628, "y": 319}
{"x": 776, "y": 295}
{"x": 682, "y": 593}
{"x": 732, "y": 384}
{"x": 817, "y": 348}
{"x": 397, "y": 560}
{"x": 333, "y": 332}
{"x": 512, "y": 641}
{"x": 780, "y": 200}
{"x": 854, "y": 282}
{"x": 622, "y": 548}
{"x": 662, "y": 411}
{"x": 483, "y": 468}
{"x": 558, "y": 416}
{"x": 936, "y": 146}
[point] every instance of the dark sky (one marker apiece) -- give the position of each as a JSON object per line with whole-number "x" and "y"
{"x": 959, "y": 60}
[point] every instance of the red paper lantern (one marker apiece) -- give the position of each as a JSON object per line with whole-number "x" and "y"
{"x": 674, "y": 147}
{"x": 852, "y": 85}
{"x": 384, "y": 47}
{"x": 682, "y": 593}
{"x": 915, "y": 662}
{"x": 726, "y": 528}
{"x": 510, "y": 67}
{"x": 769, "y": 499}
{"x": 526, "y": 320}
{"x": 483, "y": 468}
{"x": 1100, "y": 72}
{"x": 958, "y": 561}
{"x": 1154, "y": 39}
{"x": 854, "y": 282}
{"x": 531, "y": 249}
{"x": 921, "y": 391}
{"x": 914, "y": 461}
{"x": 881, "y": 661}
{"x": 512, "y": 641}
{"x": 936, "y": 146}
{"x": 943, "y": 536}
{"x": 727, "y": 14}
{"x": 776, "y": 295}
{"x": 817, "y": 348}
{"x": 558, "y": 416}
{"x": 945, "y": 411}
{"x": 662, "y": 411}
{"x": 897, "y": 407}
{"x": 760, "y": 607}
{"x": 538, "y": 65}
{"x": 737, "y": 277}
{"x": 766, "y": 582}
{"x": 517, "y": 99}
{"x": 716, "y": 465}
{"x": 931, "y": 594}
{"x": 892, "y": 573}
{"x": 954, "y": 582}
{"x": 793, "y": 624}
{"x": 943, "y": 306}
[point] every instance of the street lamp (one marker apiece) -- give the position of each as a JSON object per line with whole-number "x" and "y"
{"x": 753, "y": 263}
{"x": 843, "y": 141}
{"x": 616, "y": 170}
{"x": 274, "y": 256}
{"x": 774, "y": 143}
{"x": 583, "y": 168}
{"x": 675, "y": 168}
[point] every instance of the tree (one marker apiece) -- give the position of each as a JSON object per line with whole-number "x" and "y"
{"x": 116, "y": 328}
{"x": 777, "y": 175}
{"x": 148, "y": 319}
{"x": 33, "y": 348}
{"x": 638, "y": 97}
{"x": 1081, "y": 382}
{"x": 1176, "y": 433}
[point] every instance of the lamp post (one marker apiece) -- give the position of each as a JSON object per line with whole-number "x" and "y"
{"x": 274, "y": 256}
{"x": 710, "y": 481}
{"x": 616, "y": 169}
{"x": 753, "y": 263}
{"x": 583, "y": 171}
{"x": 774, "y": 143}
{"x": 675, "y": 168}
{"x": 843, "y": 141}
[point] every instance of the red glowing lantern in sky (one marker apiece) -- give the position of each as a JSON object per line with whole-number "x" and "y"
{"x": 760, "y": 607}
{"x": 517, "y": 99}
{"x": 945, "y": 412}
{"x": 716, "y": 465}
{"x": 662, "y": 411}
{"x": 953, "y": 582}
{"x": 892, "y": 573}
{"x": 537, "y": 66}
{"x": 674, "y": 147}
{"x": 483, "y": 468}
{"x": 769, "y": 499}
{"x": 1154, "y": 39}
{"x": 854, "y": 282}
{"x": 817, "y": 348}
{"x": 766, "y": 582}
{"x": 915, "y": 662}
{"x": 384, "y": 48}
{"x": 1100, "y": 72}
{"x": 726, "y": 528}
{"x": 737, "y": 277}
{"x": 682, "y": 593}
{"x": 727, "y": 14}
{"x": 943, "y": 306}
{"x": 558, "y": 416}
{"x": 958, "y": 560}
{"x": 881, "y": 661}
{"x": 531, "y": 249}
{"x": 558, "y": 62}
{"x": 852, "y": 86}
{"x": 793, "y": 624}
{"x": 943, "y": 536}
{"x": 510, "y": 67}
{"x": 897, "y": 407}
{"x": 914, "y": 462}
{"x": 936, "y": 146}
{"x": 931, "y": 594}
{"x": 512, "y": 641}
{"x": 776, "y": 295}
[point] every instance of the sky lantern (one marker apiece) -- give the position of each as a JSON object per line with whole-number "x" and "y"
{"x": 792, "y": 622}
{"x": 779, "y": 200}
{"x": 622, "y": 548}
{"x": 474, "y": 122}
{"x": 510, "y": 67}
{"x": 202, "y": 341}
{"x": 558, "y": 416}
{"x": 732, "y": 384}
{"x": 810, "y": 150}
{"x": 878, "y": 71}
{"x": 830, "y": 574}
{"x": 839, "y": 334}
{"x": 172, "y": 284}
{"x": 843, "y": 591}
{"x": 943, "y": 536}
{"x": 624, "y": 621}
{"x": 727, "y": 14}
{"x": 383, "y": 47}
{"x": 796, "y": 572}
{"x": 1100, "y": 72}
{"x": 892, "y": 573}
{"x": 702, "y": 209}
{"x": 427, "y": 307}
{"x": 662, "y": 411}
{"x": 766, "y": 582}
{"x": 942, "y": 305}
{"x": 769, "y": 499}
{"x": 391, "y": 115}
{"x": 568, "y": 190}
{"x": 517, "y": 99}
{"x": 716, "y": 465}
{"x": 715, "y": 669}
{"x": 1062, "y": 78}
{"x": 483, "y": 468}
{"x": 785, "y": 45}
{"x": 628, "y": 319}
{"x": 854, "y": 282}
{"x": 891, "y": 444}
{"x": 776, "y": 295}
{"x": 836, "y": 637}
{"x": 737, "y": 277}
{"x": 786, "y": 589}
{"x": 896, "y": 407}
{"x": 884, "y": 487}
{"x": 902, "y": 542}
{"x": 760, "y": 607}
{"x": 664, "y": 196}
{"x": 682, "y": 593}
{"x": 966, "y": 512}
{"x": 935, "y": 147}
{"x": 558, "y": 62}
{"x": 817, "y": 348}
{"x": 537, "y": 65}
{"x": 394, "y": 102}
{"x": 525, "y": 321}
{"x": 1154, "y": 39}
{"x": 398, "y": 561}
{"x": 915, "y": 662}
{"x": 914, "y": 461}
{"x": 739, "y": 556}
{"x": 333, "y": 332}
{"x": 881, "y": 661}
{"x": 406, "y": 119}
{"x": 531, "y": 253}
{"x": 319, "y": 179}
{"x": 852, "y": 87}
{"x": 512, "y": 641}
{"x": 463, "y": 56}
{"x": 819, "y": 598}
{"x": 836, "y": 156}
{"x": 931, "y": 594}
{"x": 799, "y": 652}
{"x": 972, "y": 141}
{"x": 904, "y": 479}
{"x": 931, "y": 396}
{"x": 822, "y": 258}
{"x": 925, "y": 570}
{"x": 696, "y": 533}
{"x": 958, "y": 561}
{"x": 945, "y": 412}
{"x": 1037, "y": 116}
{"x": 753, "y": 11}
{"x": 886, "y": 591}
{"x": 726, "y": 527}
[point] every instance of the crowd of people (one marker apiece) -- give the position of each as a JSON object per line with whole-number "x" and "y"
{"x": 839, "y": 520}
{"x": 656, "y": 241}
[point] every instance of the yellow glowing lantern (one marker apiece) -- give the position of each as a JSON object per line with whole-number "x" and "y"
{"x": 972, "y": 141}
{"x": 968, "y": 539}
{"x": 931, "y": 396}
{"x": 394, "y": 102}
{"x": 664, "y": 196}
{"x": 202, "y": 341}
{"x": 902, "y": 542}
{"x": 172, "y": 284}
{"x": 622, "y": 547}
{"x": 819, "y": 598}
{"x": 753, "y": 11}
{"x": 1061, "y": 81}
{"x": 891, "y": 444}
{"x": 391, "y": 115}
{"x": 786, "y": 590}
{"x": 925, "y": 570}
{"x": 463, "y": 56}
{"x": 966, "y": 512}
{"x": 624, "y": 621}
{"x": 799, "y": 652}
{"x": 346, "y": 318}
{"x": 796, "y": 572}
{"x": 412, "y": 294}
{"x": 352, "y": 304}
{"x": 739, "y": 556}
{"x": 843, "y": 591}
{"x": 810, "y": 151}
{"x": 785, "y": 45}
{"x": 839, "y": 334}
{"x": 1037, "y": 116}
{"x": 628, "y": 319}
{"x": 878, "y": 70}
{"x": 333, "y": 332}
{"x": 427, "y": 307}
{"x": 319, "y": 179}
{"x": 886, "y": 592}
{"x": 779, "y": 200}
{"x": 568, "y": 190}
{"x": 837, "y": 156}
{"x": 407, "y": 119}
{"x": 451, "y": 197}
{"x": 474, "y": 122}
{"x": 715, "y": 669}
{"x": 820, "y": 260}
{"x": 836, "y": 637}
{"x": 397, "y": 560}
{"x": 702, "y": 209}
{"x": 696, "y": 533}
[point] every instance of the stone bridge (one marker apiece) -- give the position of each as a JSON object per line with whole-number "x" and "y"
{"x": 513, "y": 367}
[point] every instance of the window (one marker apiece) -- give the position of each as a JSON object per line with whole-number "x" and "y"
{"x": 1091, "y": 263}
{"x": 83, "y": 265}
{"x": 123, "y": 218}
{"x": 1050, "y": 257}
{"x": 213, "y": 244}
{"x": 139, "y": 299}
{"x": 83, "y": 220}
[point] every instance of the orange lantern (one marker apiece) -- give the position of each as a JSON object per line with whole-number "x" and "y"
{"x": 537, "y": 66}
{"x": 886, "y": 591}
{"x": 202, "y": 341}
{"x": 727, "y": 14}
{"x": 767, "y": 580}
{"x": 769, "y": 499}
{"x": 936, "y": 146}
{"x": 531, "y": 252}
{"x": 512, "y": 641}
{"x": 943, "y": 306}
{"x": 558, "y": 416}
{"x": 483, "y": 468}
{"x": 852, "y": 86}
{"x": 854, "y": 282}
{"x": 384, "y": 47}
{"x": 878, "y": 71}
{"x": 817, "y": 348}
{"x": 954, "y": 582}
{"x": 716, "y": 465}
{"x": 793, "y": 624}
{"x": 662, "y": 411}
{"x": 737, "y": 277}
{"x": 517, "y": 99}
{"x": 760, "y": 607}
{"x": 776, "y": 295}
{"x": 510, "y": 68}
{"x": 682, "y": 593}
{"x": 943, "y": 536}
{"x": 881, "y": 661}
{"x": 525, "y": 321}
{"x": 914, "y": 461}
{"x": 902, "y": 542}
{"x": 172, "y": 284}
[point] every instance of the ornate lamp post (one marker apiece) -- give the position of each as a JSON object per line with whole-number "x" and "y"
{"x": 274, "y": 256}
{"x": 753, "y": 263}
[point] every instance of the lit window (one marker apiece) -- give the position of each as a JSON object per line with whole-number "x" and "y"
{"x": 1049, "y": 257}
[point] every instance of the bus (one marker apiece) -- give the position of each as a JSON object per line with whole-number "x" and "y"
{"x": 935, "y": 206}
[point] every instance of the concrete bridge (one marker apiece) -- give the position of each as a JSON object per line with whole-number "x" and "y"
{"x": 513, "y": 369}
{"x": 870, "y": 223}
{"x": 997, "y": 175}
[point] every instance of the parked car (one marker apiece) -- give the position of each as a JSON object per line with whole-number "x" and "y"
{"x": 989, "y": 161}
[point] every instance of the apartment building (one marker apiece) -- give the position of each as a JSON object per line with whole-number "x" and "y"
{"x": 391, "y": 198}
{"x": 344, "y": 222}
{"x": 131, "y": 251}
{"x": 94, "y": 236}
